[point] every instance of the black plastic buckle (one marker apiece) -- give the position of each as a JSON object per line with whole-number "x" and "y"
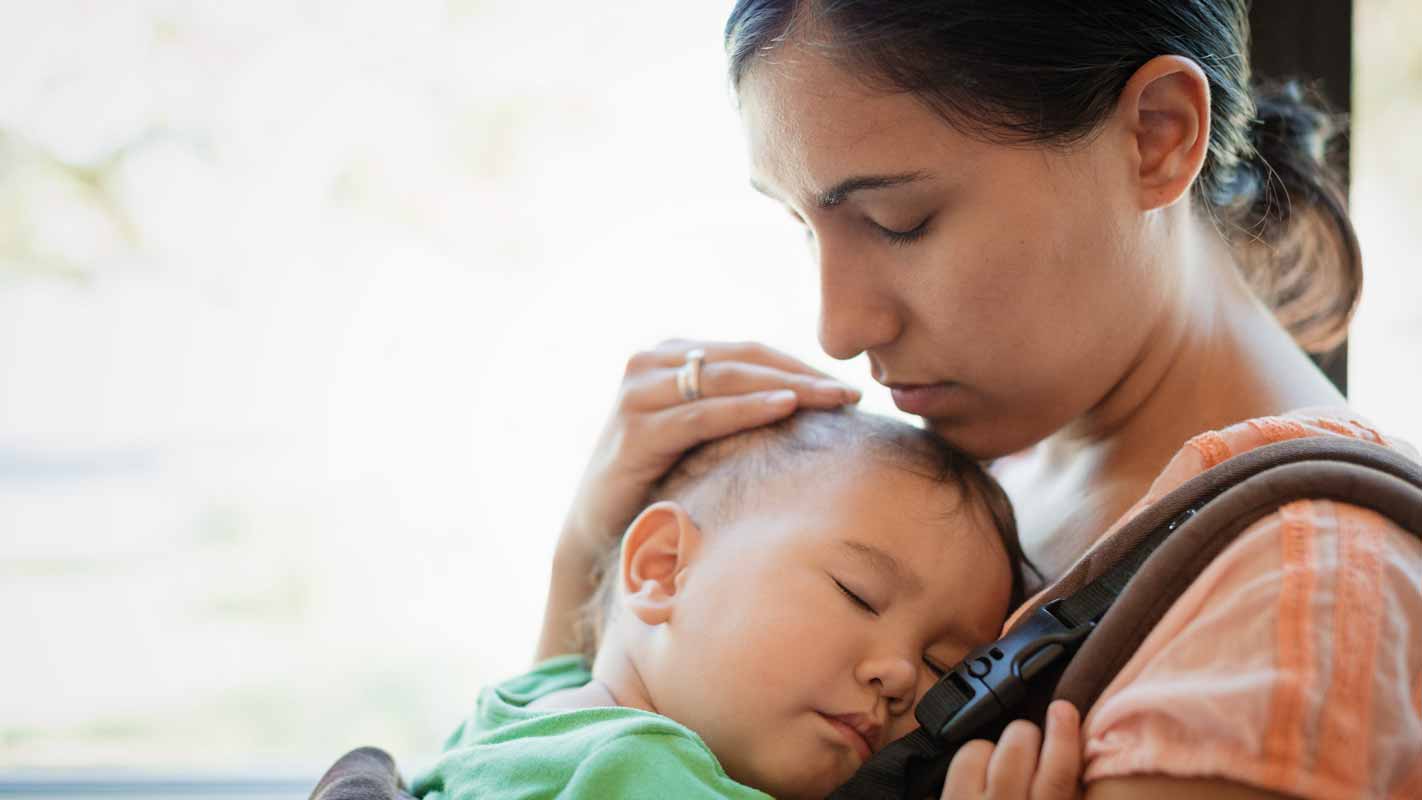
{"x": 991, "y": 682}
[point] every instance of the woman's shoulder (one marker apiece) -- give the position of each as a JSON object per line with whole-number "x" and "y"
{"x": 1301, "y": 636}
{"x": 1301, "y": 633}
{"x": 1210, "y": 448}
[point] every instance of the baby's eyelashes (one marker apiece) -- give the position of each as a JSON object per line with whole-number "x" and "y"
{"x": 856, "y": 599}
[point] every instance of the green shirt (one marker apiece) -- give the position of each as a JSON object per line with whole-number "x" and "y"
{"x": 506, "y": 750}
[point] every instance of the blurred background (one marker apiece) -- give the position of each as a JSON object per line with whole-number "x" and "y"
{"x": 310, "y": 312}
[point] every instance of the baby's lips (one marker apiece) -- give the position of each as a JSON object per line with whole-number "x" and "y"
{"x": 865, "y": 725}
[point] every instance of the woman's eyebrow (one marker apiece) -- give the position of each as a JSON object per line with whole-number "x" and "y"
{"x": 886, "y": 564}
{"x": 846, "y": 187}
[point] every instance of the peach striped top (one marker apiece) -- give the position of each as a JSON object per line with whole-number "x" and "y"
{"x": 1294, "y": 662}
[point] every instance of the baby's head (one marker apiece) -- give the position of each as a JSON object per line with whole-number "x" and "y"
{"x": 831, "y": 565}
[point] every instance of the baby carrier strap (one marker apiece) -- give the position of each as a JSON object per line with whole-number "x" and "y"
{"x": 1078, "y": 634}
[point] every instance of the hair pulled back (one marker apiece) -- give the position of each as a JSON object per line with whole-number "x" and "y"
{"x": 1049, "y": 72}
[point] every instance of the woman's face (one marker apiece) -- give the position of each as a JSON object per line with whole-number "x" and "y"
{"x": 1001, "y": 291}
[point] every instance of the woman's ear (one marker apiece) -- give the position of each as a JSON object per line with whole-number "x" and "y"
{"x": 656, "y": 551}
{"x": 1165, "y": 108}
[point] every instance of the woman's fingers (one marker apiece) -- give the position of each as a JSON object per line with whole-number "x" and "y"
{"x": 684, "y": 426}
{"x": 741, "y": 386}
{"x": 1023, "y": 764}
{"x": 1014, "y": 760}
{"x": 1059, "y": 768}
{"x": 657, "y": 389}
{"x": 672, "y": 353}
{"x": 968, "y": 772}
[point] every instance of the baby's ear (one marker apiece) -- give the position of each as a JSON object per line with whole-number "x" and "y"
{"x": 658, "y": 546}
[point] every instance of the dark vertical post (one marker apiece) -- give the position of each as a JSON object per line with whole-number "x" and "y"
{"x": 1313, "y": 40}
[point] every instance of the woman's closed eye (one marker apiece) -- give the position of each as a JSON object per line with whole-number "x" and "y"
{"x": 898, "y": 237}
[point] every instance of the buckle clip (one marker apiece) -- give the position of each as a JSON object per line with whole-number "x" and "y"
{"x": 990, "y": 683}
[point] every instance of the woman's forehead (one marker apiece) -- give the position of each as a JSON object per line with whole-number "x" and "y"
{"x": 811, "y": 124}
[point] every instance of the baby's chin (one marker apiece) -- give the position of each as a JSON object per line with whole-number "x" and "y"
{"x": 797, "y": 782}
{"x": 803, "y": 760}
{"x": 801, "y": 791}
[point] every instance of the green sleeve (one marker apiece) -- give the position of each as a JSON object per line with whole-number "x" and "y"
{"x": 654, "y": 767}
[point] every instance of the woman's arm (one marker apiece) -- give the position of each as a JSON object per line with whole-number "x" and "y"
{"x": 742, "y": 386}
{"x": 569, "y": 588}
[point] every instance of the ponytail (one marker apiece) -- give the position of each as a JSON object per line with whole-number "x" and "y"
{"x": 1284, "y": 210}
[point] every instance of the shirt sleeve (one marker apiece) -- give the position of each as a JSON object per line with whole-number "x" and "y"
{"x": 1293, "y": 664}
{"x": 654, "y": 767}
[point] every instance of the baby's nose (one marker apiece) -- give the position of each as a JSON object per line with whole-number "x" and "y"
{"x": 894, "y": 677}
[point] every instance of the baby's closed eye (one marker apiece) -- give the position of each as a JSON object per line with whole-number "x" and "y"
{"x": 933, "y": 667}
{"x": 855, "y": 598}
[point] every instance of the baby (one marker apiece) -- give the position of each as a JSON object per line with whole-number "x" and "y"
{"x": 770, "y": 620}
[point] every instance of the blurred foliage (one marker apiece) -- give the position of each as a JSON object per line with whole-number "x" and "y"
{"x": 57, "y": 219}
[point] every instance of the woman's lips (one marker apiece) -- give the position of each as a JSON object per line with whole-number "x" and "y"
{"x": 851, "y": 736}
{"x": 922, "y": 399}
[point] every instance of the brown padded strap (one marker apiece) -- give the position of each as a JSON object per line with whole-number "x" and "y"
{"x": 1368, "y": 476}
{"x": 1108, "y": 552}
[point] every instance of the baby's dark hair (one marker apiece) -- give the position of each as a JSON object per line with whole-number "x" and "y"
{"x": 722, "y": 479}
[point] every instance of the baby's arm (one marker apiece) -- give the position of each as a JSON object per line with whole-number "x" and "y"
{"x": 1021, "y": 765}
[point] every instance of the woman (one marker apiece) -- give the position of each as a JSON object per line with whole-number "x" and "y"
{"x": 1072, "y": 240}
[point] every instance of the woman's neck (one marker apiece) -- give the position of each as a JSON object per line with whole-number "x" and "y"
{"x": 1216, "y": 357}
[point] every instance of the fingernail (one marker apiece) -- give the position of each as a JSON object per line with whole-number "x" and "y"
{"x": 848, "y": 394}
{"x": 780, "y": 397}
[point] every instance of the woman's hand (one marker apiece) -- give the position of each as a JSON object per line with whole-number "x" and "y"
{"x": 742, "y": 386}
{"x": 1021, "y": 766}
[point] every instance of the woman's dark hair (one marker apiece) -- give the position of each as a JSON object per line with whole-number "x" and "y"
{"x": 1050, "y": 72}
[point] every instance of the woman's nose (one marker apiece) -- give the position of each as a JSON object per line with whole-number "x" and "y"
{"x": 855, "y": 312}
{"x": 895, "y": 677}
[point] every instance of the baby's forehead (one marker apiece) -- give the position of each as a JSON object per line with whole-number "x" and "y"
{"x": 868, "y": 477}
{"x": 846, "y": 463}
{"x": 867, "y": 497}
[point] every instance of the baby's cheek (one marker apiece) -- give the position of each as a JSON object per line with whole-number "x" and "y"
{"x": 907, "y": 723}
{"x": 902, "y": 727}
